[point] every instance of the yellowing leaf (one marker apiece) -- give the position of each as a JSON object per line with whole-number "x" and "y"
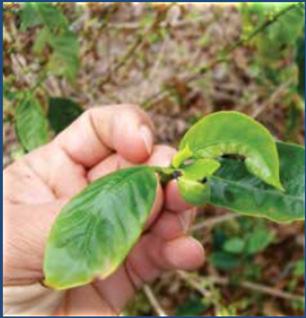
{"x": 192, "y": 183}
{"x": 229, "y": 132}
{"x": 96, "y": 230}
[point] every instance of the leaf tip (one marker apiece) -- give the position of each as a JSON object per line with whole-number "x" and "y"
{"x": 278, "y": 185}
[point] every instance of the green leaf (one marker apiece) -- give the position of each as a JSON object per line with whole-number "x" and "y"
{"x": 273, "y": 43}
{"x": 8, "y": 93}
{"x": 234, "y": 245}
{"x": 31, "y": 123}
{"x": 230, "y": 132}
{"x": 224, "y": 261}
{"x": 192, "y": 182}
{"x": 33, "y": 14}
{"x": 65, "y": 58}
{"x": 96, "y": 230}
{"x": 299, "y": 268}
{"x": 258, "y": 240}
{"x": 181, "y": 156}
{"x": 193, "y": 192}
{"x": 62, "y": 112}
{"x": 281, "y": 34}
{"x": 193, "y": 305}
{"x": 29, "y": 17}
{"x": 226, "y": 311}
{"x": 51, "y": 16}
{"x": 235, "y": 188}
{"x": 41, "y": 41}
{"x": 200, "y": 169}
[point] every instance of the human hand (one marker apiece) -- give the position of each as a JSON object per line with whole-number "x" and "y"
{"x": 37, "y": 186}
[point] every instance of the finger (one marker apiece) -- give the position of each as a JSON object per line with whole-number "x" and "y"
{"x": 173, "y": 199}
{"x": 122, "y": 128}
{"x": 108, "y": 288}
{"x": 152, "y": 255}
{"x": 184, "y": 253}
{"x": 171, "y": 224}
{"x": 161, "y": 156}
{"x": 157, "y": 206}
{"x": 110, "y": 164}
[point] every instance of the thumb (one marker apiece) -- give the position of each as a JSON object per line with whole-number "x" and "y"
{"x": 124, "y": 129}
{"x": 132, "y": 135}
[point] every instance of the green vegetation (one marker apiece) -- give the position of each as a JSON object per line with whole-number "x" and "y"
{"x": 180, "y": 63}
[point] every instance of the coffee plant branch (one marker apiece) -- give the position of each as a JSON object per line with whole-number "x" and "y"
{"x": 153, "y": 301}
{"x": 214, "y": 221}
{"x": 190, "y": 280}
{"x": 222, "y": 57}
{"x": 140, "y": 39}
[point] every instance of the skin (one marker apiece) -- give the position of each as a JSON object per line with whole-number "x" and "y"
{"x": 37, "y": 186}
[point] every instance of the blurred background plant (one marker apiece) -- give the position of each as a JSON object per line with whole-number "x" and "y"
{"x": 179, "y": 62}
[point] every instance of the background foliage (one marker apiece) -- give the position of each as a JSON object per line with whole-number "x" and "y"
{"x": 178, "y": 62}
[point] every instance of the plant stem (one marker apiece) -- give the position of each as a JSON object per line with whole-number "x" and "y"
{"x": 259, "y": 288}
{"x": 140, "y": 39}
{"x": 224, "y": 281}
{"x": 223, "y": 57}
{"x": 41, "y": 79}
{"x": 213, "y": 221}
{"x": 154, "y": 302}
{"x": 193, "y": 283}
{"x": 165, "y": 173}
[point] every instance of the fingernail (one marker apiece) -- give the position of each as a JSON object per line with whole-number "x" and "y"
{"x": 184, "y": 253}
{"x": 185, "y": 220}
{"x": 147, "y": 137}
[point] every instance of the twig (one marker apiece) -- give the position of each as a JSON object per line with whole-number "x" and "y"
{"x": 132, "y": 49}
{"x": 224, "y": 281}
{"x": 259, "y": 288}
{"x": 154, "y": 302}
{"x": 154, "y": 68}
{"x": 177, "y": 24}
{"x": 262, "y": 27}
{"x": 223, "y": 57}
{"x": 277, "y": 93}
{"x": 193, "y": 283}
{"x": 129, "y": 53}
{"x": 213, "y": 221}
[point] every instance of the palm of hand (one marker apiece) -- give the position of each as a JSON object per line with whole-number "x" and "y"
{"x": 37, "y": 187}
